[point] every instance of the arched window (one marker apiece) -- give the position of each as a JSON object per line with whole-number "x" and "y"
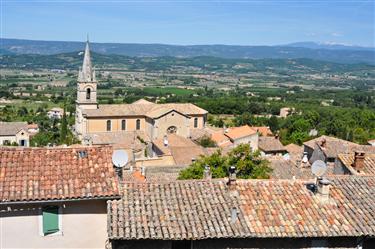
{"x": 172, "y": 129}
{"x": 123, "y": 124}
{"x": 138, "y": 124}
{"x": 195, "y": 122}
{"x": 88, "y": 93}
{"x": 109, "y": 125}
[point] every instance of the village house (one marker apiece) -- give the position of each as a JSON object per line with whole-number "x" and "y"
{"x": 355, "y": 163}
{"x": 153, "y": 120}
{"x": 55, "y": 113}
{"x": 234, "y": 136}
{"x": 55, "y": 197}
{"x": 234, "y": 213}
{"x": 14, "y": 133}
{"x": 327, "y": 148}
{"x": 271, "y": 146}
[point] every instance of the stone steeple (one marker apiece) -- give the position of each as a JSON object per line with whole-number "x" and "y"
{"x": 86, "y": 73}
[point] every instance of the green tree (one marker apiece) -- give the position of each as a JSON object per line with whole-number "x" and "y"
{"x": 249, "y": 164}
{"x": 206, "y": 141}
{"x": 64, "y": 127}
{"x": 273, "y": 123}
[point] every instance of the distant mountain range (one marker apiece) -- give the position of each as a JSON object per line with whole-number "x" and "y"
{"x": 310, "y": 50}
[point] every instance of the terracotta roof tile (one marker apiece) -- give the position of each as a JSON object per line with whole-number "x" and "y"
{"x": 263, "y": 130}
{"x": 266, "y": 208}
{"x": 369, "y": 163}
{"x": 270, "y": 144}
{"x": 33, "y": 174}
{"x": 238, "y": 132}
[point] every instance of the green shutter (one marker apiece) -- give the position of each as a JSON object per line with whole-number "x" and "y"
{"x": 50, "y": 220}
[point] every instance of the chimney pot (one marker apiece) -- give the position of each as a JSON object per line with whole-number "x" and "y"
{"x": 323, "y": 142}
{"x": 359, "y": 160}
{"x": 207, "y": 173}
{"x": 323, "y": 186}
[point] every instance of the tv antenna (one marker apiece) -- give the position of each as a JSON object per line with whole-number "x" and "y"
{"x": 319, "y": 168}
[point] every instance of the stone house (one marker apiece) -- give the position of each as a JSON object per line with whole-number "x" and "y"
{"x": 234, "y": 136}
{"x": 355, "y": 163}
{"x": 55, "y": 197}
{"x": 14, "y": 132}
{"x": 271, "y": 146}
{"x": 234, "y": 213}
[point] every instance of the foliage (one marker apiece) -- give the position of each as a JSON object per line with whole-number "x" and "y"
{"x": 206, "y": 141}
{"x": 249, "y": 164}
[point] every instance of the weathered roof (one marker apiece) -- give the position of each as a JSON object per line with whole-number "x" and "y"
{"x": 195, "y": 210}
{"x": 11, "y": 128}
{"x": 369, "y": 163}
{"x": 287, "y": 169}
{"x": 263, "y": 130}
{"x": 220, "y": 139}
{"x": 38, "y": 174}
{"x": 239, "y": 132}
{"x": 121, "y": 139}
{"x": 139, "y": 108}
{"x": 294, "y": 149}
{"x": 183, "y": 150}
{"x": 270, "y": 144}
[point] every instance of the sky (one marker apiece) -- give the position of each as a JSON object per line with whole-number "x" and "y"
{"x": 235, "y": 22}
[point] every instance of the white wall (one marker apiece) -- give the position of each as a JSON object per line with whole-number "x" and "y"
{"x": 84, "y": 225}
{"x": 252, "y": 140}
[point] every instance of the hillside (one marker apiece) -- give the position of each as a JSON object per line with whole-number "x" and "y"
{"x": 341, "y": 54}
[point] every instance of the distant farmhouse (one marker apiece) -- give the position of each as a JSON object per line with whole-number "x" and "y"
{"x": 14, "y": 133}
{"x": 141, "y": 120}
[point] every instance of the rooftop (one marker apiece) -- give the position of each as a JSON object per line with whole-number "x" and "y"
{"x": 39, "y": 174}
{"x": 239, "y": 132}
{"x": 265, "y": 208}
{"x": 11, "y": 128}
{"x": 368, "y": 166}
{"x": 270, "y": 144}
{"x": 144, "y": 108}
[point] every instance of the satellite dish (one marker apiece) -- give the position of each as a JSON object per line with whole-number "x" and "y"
{"x": 318, "y": 168}
{"x": 120, "y": 158}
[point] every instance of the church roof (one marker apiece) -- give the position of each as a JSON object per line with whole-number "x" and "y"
{"x": 143, "y": 108}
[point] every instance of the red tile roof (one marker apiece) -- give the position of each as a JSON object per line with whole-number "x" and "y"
{"x": 266, "y": 208}
{"x": 368, "y": 166}
{"x": 36, "y": 174}
{"x": 239, "y": 132}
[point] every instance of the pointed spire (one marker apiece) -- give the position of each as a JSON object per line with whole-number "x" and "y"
{"x": 87, "y": 74}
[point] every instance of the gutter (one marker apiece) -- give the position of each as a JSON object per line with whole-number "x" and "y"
{"x": 61, "y": 200}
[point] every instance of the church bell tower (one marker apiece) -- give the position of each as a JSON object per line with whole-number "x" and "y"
{"x": 86, "y": 93}
{"x": 87, "y": 84}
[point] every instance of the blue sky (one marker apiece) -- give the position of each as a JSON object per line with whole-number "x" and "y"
{"x": 242, "y": 22}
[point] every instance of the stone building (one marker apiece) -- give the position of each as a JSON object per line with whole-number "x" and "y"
{"x": 245, "y": 214}
{"x": 55, "y": 197}
{"x": 14, "y": 133}
{"x": 152, "y": 120}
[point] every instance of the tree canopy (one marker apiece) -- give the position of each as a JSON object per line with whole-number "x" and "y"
{"x": 249, "y": 165}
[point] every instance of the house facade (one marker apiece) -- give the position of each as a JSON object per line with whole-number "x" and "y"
{"x": 12, "y": 133}
{"x": 155, "y": 120}
{"x": 55, "y": 197}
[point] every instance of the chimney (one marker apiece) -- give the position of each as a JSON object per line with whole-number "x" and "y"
{"x": 322, "y": 191}
{"x": 304, "y": 158}
{"x": 232, "y": 175}
{"x": 143, "y": 171}
{"x": 323, "y": 142}
{"x": 165, "y": 141}
{"x": 233, "y": 215}
{"x": 359, "y": 160}
{"x": 207, "y": 173}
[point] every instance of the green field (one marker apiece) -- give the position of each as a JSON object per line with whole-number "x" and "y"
{"x": 167, "y": 90}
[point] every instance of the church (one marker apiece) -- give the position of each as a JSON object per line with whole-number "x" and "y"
{"x": 112, "y": 123}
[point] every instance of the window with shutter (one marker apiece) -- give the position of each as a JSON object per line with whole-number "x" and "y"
{"x": 50, "y": 219}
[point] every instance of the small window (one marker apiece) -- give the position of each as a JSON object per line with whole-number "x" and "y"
{"x": 109, "y": 125}
{"x": 88, "y": 93}
{"x": 123, "y": 125}
{"x": 50, "y": 220}
{"x": 138, "y": 124}
{"x": 22, "y": 142}
{"x": 195, "y": 122}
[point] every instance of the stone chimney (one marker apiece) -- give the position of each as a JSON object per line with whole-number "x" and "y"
{"x": 232, "y": 182}
{"x": 323, "y": 142}
{"x": 322, "y": 189}
{"x": 207, "y": 173}
{"x": 359, "y": 160}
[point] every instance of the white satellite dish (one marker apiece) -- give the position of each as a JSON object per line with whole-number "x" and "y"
{"x": 318, "y": 168}
{"x": 120, "y": 158}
